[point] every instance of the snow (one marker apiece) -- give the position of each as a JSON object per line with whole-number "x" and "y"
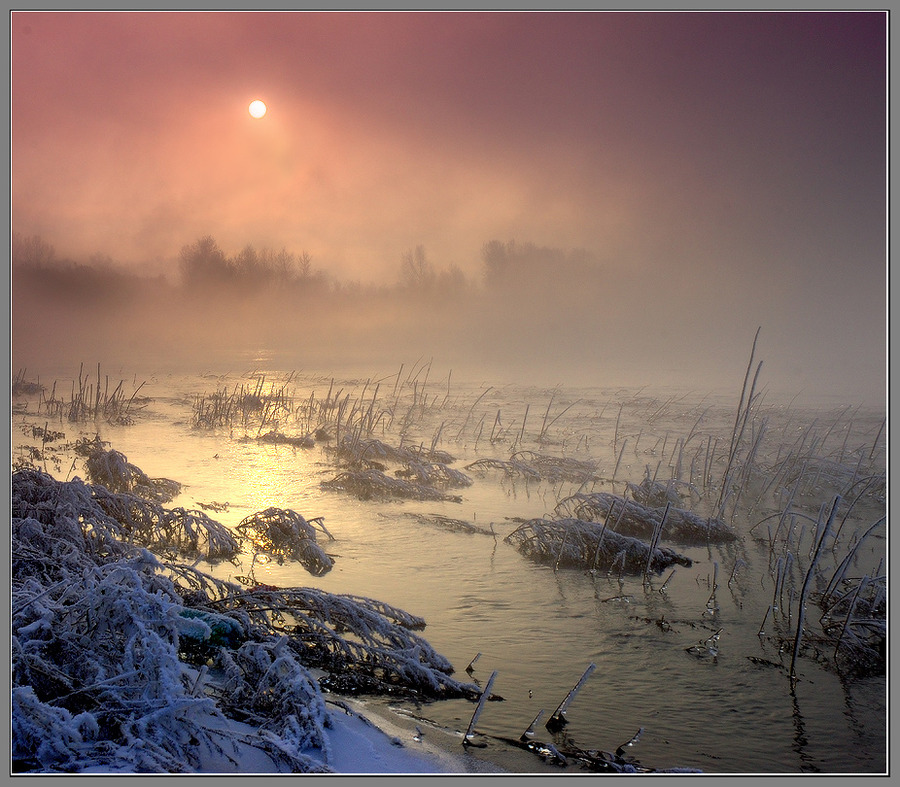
{"x": 370, "y": 743}
{"x": 114, "y": 671}
{"x": 359, "y": 742}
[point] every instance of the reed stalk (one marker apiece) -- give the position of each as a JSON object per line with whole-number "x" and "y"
{"x": 482, "y": 700}
{"x": 877, "y": 438}
{"x": 740, "y": 422}
{"x": 801, "y": 609}
{"x": 558, "y": 719}
{"x": 654, "y": 542}
{"x": 529, "y": 733}
{"x": 618, "y": 461}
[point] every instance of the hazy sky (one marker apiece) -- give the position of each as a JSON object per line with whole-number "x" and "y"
{"x": 729, "y": 159}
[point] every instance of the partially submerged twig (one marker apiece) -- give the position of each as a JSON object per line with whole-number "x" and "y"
{"x": 558, "y": 719}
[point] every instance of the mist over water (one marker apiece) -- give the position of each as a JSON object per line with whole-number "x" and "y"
{"x": 608, "y": 368}
{"x": 557, "y": 358}
{"x": 555, "y": 319}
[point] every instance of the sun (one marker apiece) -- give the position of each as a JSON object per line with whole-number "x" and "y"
{"x": 257, "y": 108}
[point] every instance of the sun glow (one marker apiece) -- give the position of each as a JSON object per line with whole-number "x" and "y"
{"x": 257, "y": 108}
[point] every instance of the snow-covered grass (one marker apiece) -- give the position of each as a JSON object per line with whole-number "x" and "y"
{"x": 123, "y": 661}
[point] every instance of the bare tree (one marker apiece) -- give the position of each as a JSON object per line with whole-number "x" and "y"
{"x": 32, "y": 250}
{"x": 204, "y": 262}
{"x": 416, "y": 271}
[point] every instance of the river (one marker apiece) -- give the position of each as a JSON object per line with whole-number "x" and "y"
{"x": 538, "y": 625}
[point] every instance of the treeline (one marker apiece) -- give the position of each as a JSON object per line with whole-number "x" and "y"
{"x": 205, "y": 264}
{"x": 37, "y": 267}
{"x": 204, "y": 267}
{"x": 524, "y": 300}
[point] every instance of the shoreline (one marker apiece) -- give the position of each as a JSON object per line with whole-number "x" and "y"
{"x": 396, "y": 745}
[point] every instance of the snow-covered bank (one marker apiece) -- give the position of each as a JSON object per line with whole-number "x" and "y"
{"x": 126, "y": 662}
{"x": 364, "y": 741}
{"x": 358, "y": 741}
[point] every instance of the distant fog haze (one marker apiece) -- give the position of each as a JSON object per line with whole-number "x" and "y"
{"x": 664, "y": 183}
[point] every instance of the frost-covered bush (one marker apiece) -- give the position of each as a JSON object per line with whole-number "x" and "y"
{"x": 112, "y": 469}
{"x": 96, "y": 677}
{"x": 100, "y": 515}
{"x": 589, "y": 545}
{"x": 631, "y": 518}
{"x": 284, "y": 534}
{"x": 122, "y": 661}
{"x": 366, "y": 645}
{"x": 264, "y": 684}
{"x": 372, "y": 483}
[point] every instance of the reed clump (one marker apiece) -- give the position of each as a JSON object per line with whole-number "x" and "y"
{"x": 275, "y": 437}
{"x": 558, "y": 468}
{"x": 850, "y": 634}
{"x": 246, "y": 405}
{"x": 576, "y": 543}
{"x": 374, "y": 484}
{"x": 89, "y": 401}
{"x": 510, "y": 467}
{"x": 356, "y": 450}
{"x": 535, "y": 466}
{"x": 24, "y": 387}
{"x": 452, "y": 524}
{"x": 631, "y": 518}
{"x": 434, "y": 474}
{"x": 652, "y": 493}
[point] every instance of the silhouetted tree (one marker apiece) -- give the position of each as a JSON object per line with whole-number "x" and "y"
{"x": 451, "y": 283}
{"x": 496, "y": 260}
{"x": 416, "y": 271}
{"x": 249, "y": 268}
{"x": 304, "y": 265}
{"x": 31, "y": 250}
{"x": 522, "y": 265}
{"x": 204, "y": 263}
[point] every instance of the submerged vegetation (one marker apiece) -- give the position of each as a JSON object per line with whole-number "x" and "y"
{"x": 107, "y": 565}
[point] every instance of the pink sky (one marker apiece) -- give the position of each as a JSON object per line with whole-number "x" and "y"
{"x": 731, "y": 158}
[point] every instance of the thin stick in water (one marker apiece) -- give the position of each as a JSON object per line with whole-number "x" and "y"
{"x": 558, "y": 719}
{"x": 470, "y": 732}
{"x": 529, "y": 733}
